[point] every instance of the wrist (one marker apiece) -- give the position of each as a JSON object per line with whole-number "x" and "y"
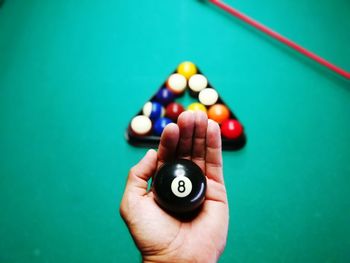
{"x": 176, "y": 258}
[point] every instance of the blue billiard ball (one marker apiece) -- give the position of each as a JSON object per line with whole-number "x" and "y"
{"x": 165, "y": 96}
{"x": 153, "y": 110}
{"x": 160, "y": 124}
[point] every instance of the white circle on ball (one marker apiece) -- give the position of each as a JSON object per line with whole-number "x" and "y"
{"x": 147, "y": 109}
{"x": 208, "y": 96}
{"x": 141, "y": 124}
{"x": 181, "y": 186}
{"x": 177, "y": 83}
{"x": 198, "y": 82}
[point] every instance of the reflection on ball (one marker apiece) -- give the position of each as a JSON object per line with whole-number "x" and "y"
{"x": 141, "y": 125}
{"x": 231, "y": 129}
{"x": 187, "y": 69}
{"x": 179, "y": 186}
{"x": 218, "y": 113}
{"x": 197, "y": 106}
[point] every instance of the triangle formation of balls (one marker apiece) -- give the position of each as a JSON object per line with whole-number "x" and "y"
{"x": 185, "y": 86}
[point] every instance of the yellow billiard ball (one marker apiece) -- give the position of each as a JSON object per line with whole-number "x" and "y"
{"x": 197, "y": 106}
{"x": 187, "y": 69}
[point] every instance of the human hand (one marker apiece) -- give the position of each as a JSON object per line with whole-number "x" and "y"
{"x": 159, "y": 236}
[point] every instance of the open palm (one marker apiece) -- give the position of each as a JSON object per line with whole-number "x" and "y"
{"x": 159, "y": 236}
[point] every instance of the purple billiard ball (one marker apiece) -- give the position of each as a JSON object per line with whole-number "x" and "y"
{"x": 165, "y": 96}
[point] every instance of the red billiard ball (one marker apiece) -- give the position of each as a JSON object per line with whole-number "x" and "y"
{"x": 179, "y": 186}
{"x": 231, "y": 129}
{"x": 173, "y": 110}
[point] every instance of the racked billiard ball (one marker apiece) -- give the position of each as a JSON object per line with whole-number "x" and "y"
{"x": 165, "y": 96}
{"x": 160, "y": 124}
{"x": 231, "y": 129}
{"x": 141, "y": 125}
{"x": 195, "y": 106}
{"x": 153, "y": 110}
{"x": 208, "y": 96}
{"x": 179, "y": 186}
{"x": 173, "y": 110}
{"x": 197, "y": 83}
{"x": 218, "y": 113}
{"x": 176, "y": 83}
{"x": 187, "y": 69}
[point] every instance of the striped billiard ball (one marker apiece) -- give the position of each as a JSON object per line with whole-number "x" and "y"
{"x": 153, "y": 110}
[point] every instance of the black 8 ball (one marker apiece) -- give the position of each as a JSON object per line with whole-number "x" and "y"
{"x": 179, "y": 186}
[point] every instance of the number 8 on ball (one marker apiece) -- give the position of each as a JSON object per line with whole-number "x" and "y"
{"x": 179, "y": 186}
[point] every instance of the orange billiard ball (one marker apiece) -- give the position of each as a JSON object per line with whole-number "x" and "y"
{"x": 218, "y": 113}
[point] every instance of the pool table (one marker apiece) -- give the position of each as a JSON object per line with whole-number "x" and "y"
{"x": 73, "y": 74}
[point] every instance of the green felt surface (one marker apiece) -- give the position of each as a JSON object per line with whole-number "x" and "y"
{"x": 73, "y": 73}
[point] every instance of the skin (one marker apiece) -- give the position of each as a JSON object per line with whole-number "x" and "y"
{"x": 159, "y": 236}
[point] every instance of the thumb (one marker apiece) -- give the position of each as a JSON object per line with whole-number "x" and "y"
{"x": 139, "y": 175}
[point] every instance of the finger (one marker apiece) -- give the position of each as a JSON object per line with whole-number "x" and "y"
{"x": 186, "y": 127}
{"x": 141, "y": 173}
{"x": 199, "y": 139}
{"x": 213, "y": 159}
{"x": 168, "y": 143}
{"x": 215, "y": 191}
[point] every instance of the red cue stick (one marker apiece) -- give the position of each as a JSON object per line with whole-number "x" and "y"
{"x": 281, "y": 38}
